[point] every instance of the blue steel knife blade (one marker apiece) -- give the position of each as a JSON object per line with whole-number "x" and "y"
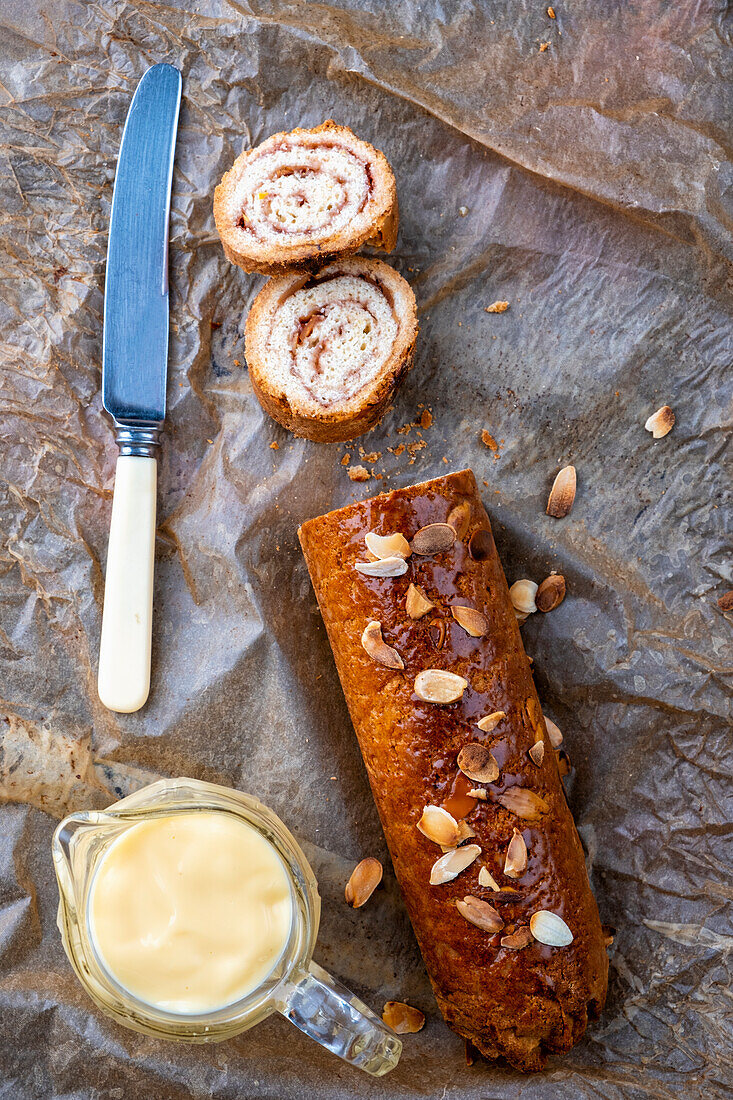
{"x": 135, "y": 351}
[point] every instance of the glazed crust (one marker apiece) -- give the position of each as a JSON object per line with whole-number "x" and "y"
{"x": 338, "y": 422}
{"x": 513, "y": 1004}
{"x": 253, "y": 255}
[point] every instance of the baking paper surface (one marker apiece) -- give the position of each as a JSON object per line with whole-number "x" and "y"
{"x": 589, "y": 185}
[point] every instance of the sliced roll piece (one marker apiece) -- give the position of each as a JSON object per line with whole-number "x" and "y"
{"x": 326, "y": 351}
{"x": 301, "y": 199}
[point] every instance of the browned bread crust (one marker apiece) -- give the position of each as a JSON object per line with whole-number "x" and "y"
{"x": 256, "y": 226}
{"x": 516, "y": 1004}
{"x": 284, "y": 374}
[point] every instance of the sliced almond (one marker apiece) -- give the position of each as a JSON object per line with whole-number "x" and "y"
{"x": 375, "y": 645}
{"x": 550, "y": 593}
{"x": 433, "y": 539}
{"x": 481, "y": 545}
{"x": 520, "y": 617}
{"x": 435, "y": 685}
{"x": 515, "y": 863}
{"x": 472, "y": 621}
{"x": 365, "y": 878}
{"x": 553, "y": 733}
{"x": 524, "y": 803}
{"x": 534, "y": 714}
{"x": 402, "y": 1018}
{"x": 490, "y": 721}
{"x": 439, "y": 826}
{"x": 465, "y": 832}
{"x": 387, "y": 546}
{"x": 537, "y": 753}
{"x": 522, "y": 594}
{"x": 416, "y": 603}
{"x": 485, "y": 878}
{"x": 480, "y": 913}
{"x": 452, "y": 863}
{"x": 477, "y": 763}
{"x": 519, "y": 939}
{"x": 548, "y": 928}
{"x": 478, "y": 792}
{"x": 562, "y": 493}
{"x": 385, "y": 567}
{"x": 661, "y": 422}
{"x": 459, "y": 518}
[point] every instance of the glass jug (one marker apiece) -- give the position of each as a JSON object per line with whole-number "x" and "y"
{"x": 297, "y": 987}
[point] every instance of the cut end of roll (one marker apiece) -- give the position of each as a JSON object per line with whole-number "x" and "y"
{"x": 327, "y": 351}
{"x": 304, "y": 198}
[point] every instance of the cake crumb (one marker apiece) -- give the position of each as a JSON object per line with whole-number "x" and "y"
{"x": 398, "y": 450}
{"x": 358, "y": 473}
{"x": 372, "y": 456}
{"x": 274, "y": 446}
{"x": 413, "y": 448}
{"x": 497, "y": 307}
{"x": 488, "y": 439}
{"x": 551, "y": 13}
{"x": 544, "y": 46}
{"x": 426, "y": 419}
{"x": 346, "y": 460}
{"x": 236, "y": 363}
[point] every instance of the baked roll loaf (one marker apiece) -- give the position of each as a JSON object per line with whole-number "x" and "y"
{"x": 441, "y": 696}
{"x": 301, "y": 199}
{"x": 326, "y": 351}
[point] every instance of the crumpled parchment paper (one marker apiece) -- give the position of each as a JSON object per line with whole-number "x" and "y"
{"x": 587, "y": 183}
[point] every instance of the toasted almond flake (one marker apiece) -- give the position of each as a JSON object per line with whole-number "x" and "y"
{"x": 562, "y": 493}
{"x": 385, "y": 567}
{"x": 485, "y": 878}
{"x": 433, "y": 539}
{"x": 478, "y": 792}
{"x": 402, "y": 1018}
{"x": 436, "y": 627}
{"x": 375, "y": 645}
{"x": 550, "y": 593}
{"x": 434, "y": 685}
{"x": 522, "y": 594}
{"x": 465, "y": 832}
{"x": 480, "y": 913}
{"x": 548, "y": 928}
{"x": 661, "y": 422}
{"x": 481, "y": 545}
{"x": 387, "y": 546}
{"x": 472, "y": 621}
{"x": 519, "y": 939}
{"x": 452, "y": 863}
{"x": 537, "y": 753}
{"x": 477, "y": 763}
{"x": 553, "y": 733}
{"x": 515, "y": 863}
{"x": 439, "y": 826}
{"x": 524, "y": 803}
{"x": 497, "y": 307}
{"x": 417, "y": 603}
{"x": 459, "y": 518}
{"x": 365, "y": 878}
{"x": 490, "y": 721}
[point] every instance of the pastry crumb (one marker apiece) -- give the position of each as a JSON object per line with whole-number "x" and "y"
{"x": 551, "y": 13}
{"x": 274, "y": 446}
{"x": 372, "y": 456}
{"x": 426, "y": 419}
{"x": 358, "y": 473}
{"x": 398, "y": 450}
{"x": 497, "y": 307}
{"x": 544, "y": 46}
{"x": 346, "y": 460}
{"x": 488, "y": 439}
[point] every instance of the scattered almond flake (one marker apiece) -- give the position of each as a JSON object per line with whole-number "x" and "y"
{"x": 490, "y": 721}
{"x": 550, "y": 593}
{"x": 346, "y": 460}
{"x": 548, "y": 928}
{"x": 522, "y": 594}
{"x": 524, "y": 803}
{"x": 497, "y": 307}
{"x": 725, "y": 603}
{"x": 365, "y": 878}
{"x": 553, "y": 733}
{"x": 515, "y": 863}
{"x": 387, "y": 546}
{"x": 485, "y": 878}
{"x": 562, "y": 493}
{"x": 448, "y": 866}
{"x": 435, "y": 538}
{"x": 465, "y": 832}
{"x": 519, "y": 939}
{"x": 661, "y": 422}
{"x": 480, "y": 913}
{"x": 426, "y": 419}
{"x": 417, "y": 603}
{"x": 544, "y": 46}
{"x": 376, "y": 647}
{"x": 358, "y": 473}
{"x": 434, "y": 685}
{"x": 274, "y": 446}
{"x": 478, "y": 792}
{"x": 385, "y": 567}
{"x": 477, "y": 762}
{"x": 439, "y": 826}
{"x": 402, "y": 1018}
{"x": 537, "y": 753}
{"x": 459, "y": 518}
{"x": 488, "y": 439}
{"x": 470, "y": 620}
{"x": 551, "y": 13}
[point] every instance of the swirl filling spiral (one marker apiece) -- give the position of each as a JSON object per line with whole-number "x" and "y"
{"x": 304, "y": 198}
{"x": 326, "y": 351}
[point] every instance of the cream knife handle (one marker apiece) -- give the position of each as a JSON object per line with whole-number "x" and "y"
{"x": 127, "y": 616}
